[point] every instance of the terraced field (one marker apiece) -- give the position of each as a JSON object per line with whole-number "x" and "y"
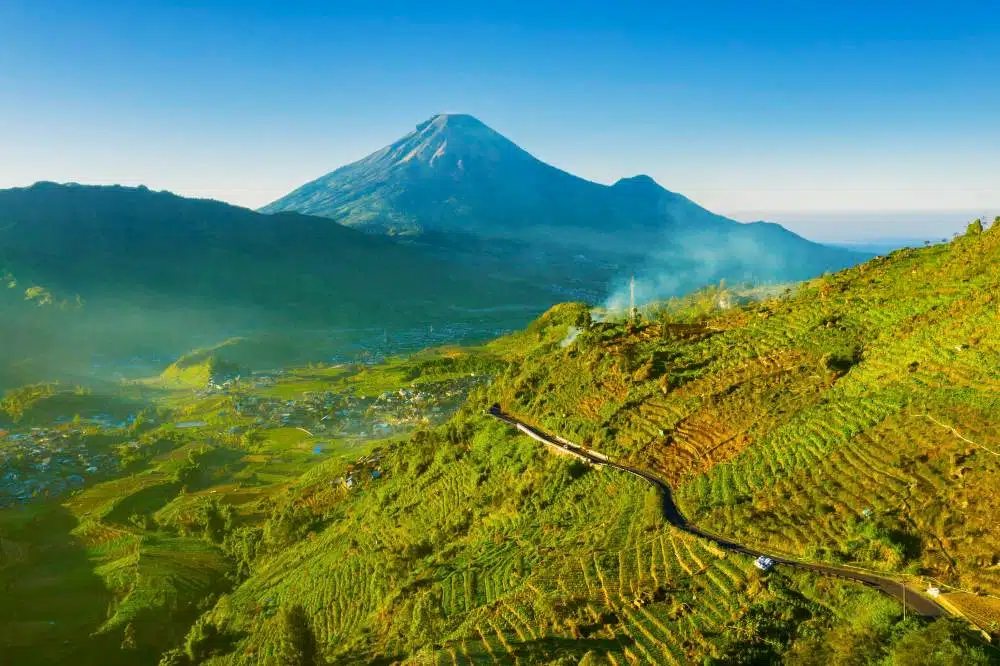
{"x": 118, "y": 571}
{"x": 590, "y": 572}
{"x": 852, "y": 421}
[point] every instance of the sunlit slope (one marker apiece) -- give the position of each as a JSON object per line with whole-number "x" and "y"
{"x": 475, "y": 546}
{"x": 855, "y": 420}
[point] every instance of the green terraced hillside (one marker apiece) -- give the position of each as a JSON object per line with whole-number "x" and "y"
{"x": 854, "y": 420}
{"x": 343, "y": 515}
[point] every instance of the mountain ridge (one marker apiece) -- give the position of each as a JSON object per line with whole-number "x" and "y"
{"x": 127, "y": 271}
{"x": 453, "y": 174}
{"x": 443, "y": 144}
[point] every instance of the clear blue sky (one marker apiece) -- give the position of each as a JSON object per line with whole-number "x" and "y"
{"x": 825, "y": 116}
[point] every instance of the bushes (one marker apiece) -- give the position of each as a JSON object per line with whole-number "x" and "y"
{"x": 187, "y": 471}
{"x": 213, "y": 519}
{"x": 881, "y": 538}
{"x": 243, "y": 545}
{"x": 288, "y": 523}
{"x": 204, "y": 640}
{"x": 18, "y": 401}
{"x": 943, "y": 642}
{"x": 296, "y": 642}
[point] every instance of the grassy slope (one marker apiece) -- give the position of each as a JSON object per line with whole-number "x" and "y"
{"x": 544, "y": 561}
{"x": 776, "y": 421}
{"x": 853, "y": 421}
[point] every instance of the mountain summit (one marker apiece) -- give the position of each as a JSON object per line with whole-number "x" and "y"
{"x": 451, "y": 173}
{"x": 447, "y": 141}
{"x": 454, "y": 175}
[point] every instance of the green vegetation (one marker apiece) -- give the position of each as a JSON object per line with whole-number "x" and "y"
{"x": 120, "y": 570}
{"x": 129, "y": 277}
{"x": 847, "y": 421}
{"x": 851, "y": 421}
{"x": 200, "y": 367}
{"x": 17, "y": 401}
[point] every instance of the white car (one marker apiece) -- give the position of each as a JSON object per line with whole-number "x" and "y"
{"x": 764, "y": 563}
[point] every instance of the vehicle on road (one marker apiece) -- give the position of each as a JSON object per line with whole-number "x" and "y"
{"x": 764, "y": 563}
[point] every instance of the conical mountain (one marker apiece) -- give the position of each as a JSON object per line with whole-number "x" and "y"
{"x": 454, "y": 175}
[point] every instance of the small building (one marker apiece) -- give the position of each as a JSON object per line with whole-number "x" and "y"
{"x": 764, "y": 563}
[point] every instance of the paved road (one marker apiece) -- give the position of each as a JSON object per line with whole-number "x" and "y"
{"x": 913, "y": 599}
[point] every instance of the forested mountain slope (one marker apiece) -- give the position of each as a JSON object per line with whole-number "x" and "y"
{"x": 101, "y": 275}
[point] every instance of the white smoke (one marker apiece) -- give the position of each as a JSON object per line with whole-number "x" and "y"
{"x": 691, "y": 261}
{"x": 571, "y": 336}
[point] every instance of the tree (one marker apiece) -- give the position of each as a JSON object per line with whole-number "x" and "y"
{"x": 214, "y": 519}
{"x": 296, "y": 644}
{"x": 941, "y": 643}
{"x": 203, "y": 641}
{"x": 187, "y": 471}
{"x": 128, "y": 638}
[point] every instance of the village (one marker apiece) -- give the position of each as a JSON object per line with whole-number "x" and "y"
{"x": 41, "y": 462}
{"x": 343, "y": 414}
{"x": 45, "y": 462}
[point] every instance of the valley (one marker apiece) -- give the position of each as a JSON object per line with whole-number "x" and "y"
{"x": 407, "y": 524}
{"x": 499, "y": 334}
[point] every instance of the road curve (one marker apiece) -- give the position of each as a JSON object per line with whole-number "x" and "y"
{"x": 912, "y": 599}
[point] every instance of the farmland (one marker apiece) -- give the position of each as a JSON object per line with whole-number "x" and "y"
{"x": 848, "y": 422}
{"x": 845, "y": 420}
{"x": 115, "y": 519}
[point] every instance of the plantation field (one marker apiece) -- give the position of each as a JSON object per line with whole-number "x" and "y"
{"x": 346, "y": 515}
{"x": 116, "y": 572}
{"x": 546, "y": 560}
{"x": 852, "y": 421}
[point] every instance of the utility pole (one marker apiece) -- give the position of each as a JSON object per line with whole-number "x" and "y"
{"x": 631, "y": 299}
{"x": 904, "y": 602}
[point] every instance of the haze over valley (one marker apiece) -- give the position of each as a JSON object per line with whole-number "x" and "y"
{"x": 453, "y": 225}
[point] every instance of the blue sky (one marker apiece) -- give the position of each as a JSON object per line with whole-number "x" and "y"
{"x": 841, "y": 120}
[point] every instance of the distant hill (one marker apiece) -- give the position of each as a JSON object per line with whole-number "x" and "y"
{"x": 158, "y": 245}
{"x": 455, "y": 175}
{"x": 158, "y": 273}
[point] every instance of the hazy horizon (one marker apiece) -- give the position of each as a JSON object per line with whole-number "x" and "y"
{"x": 836, "y": 227}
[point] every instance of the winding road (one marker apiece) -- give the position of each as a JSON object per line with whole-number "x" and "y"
{"x": 911, "y": 598}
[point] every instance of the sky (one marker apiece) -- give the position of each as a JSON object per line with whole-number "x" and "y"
{"x": 842, "y": 120}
